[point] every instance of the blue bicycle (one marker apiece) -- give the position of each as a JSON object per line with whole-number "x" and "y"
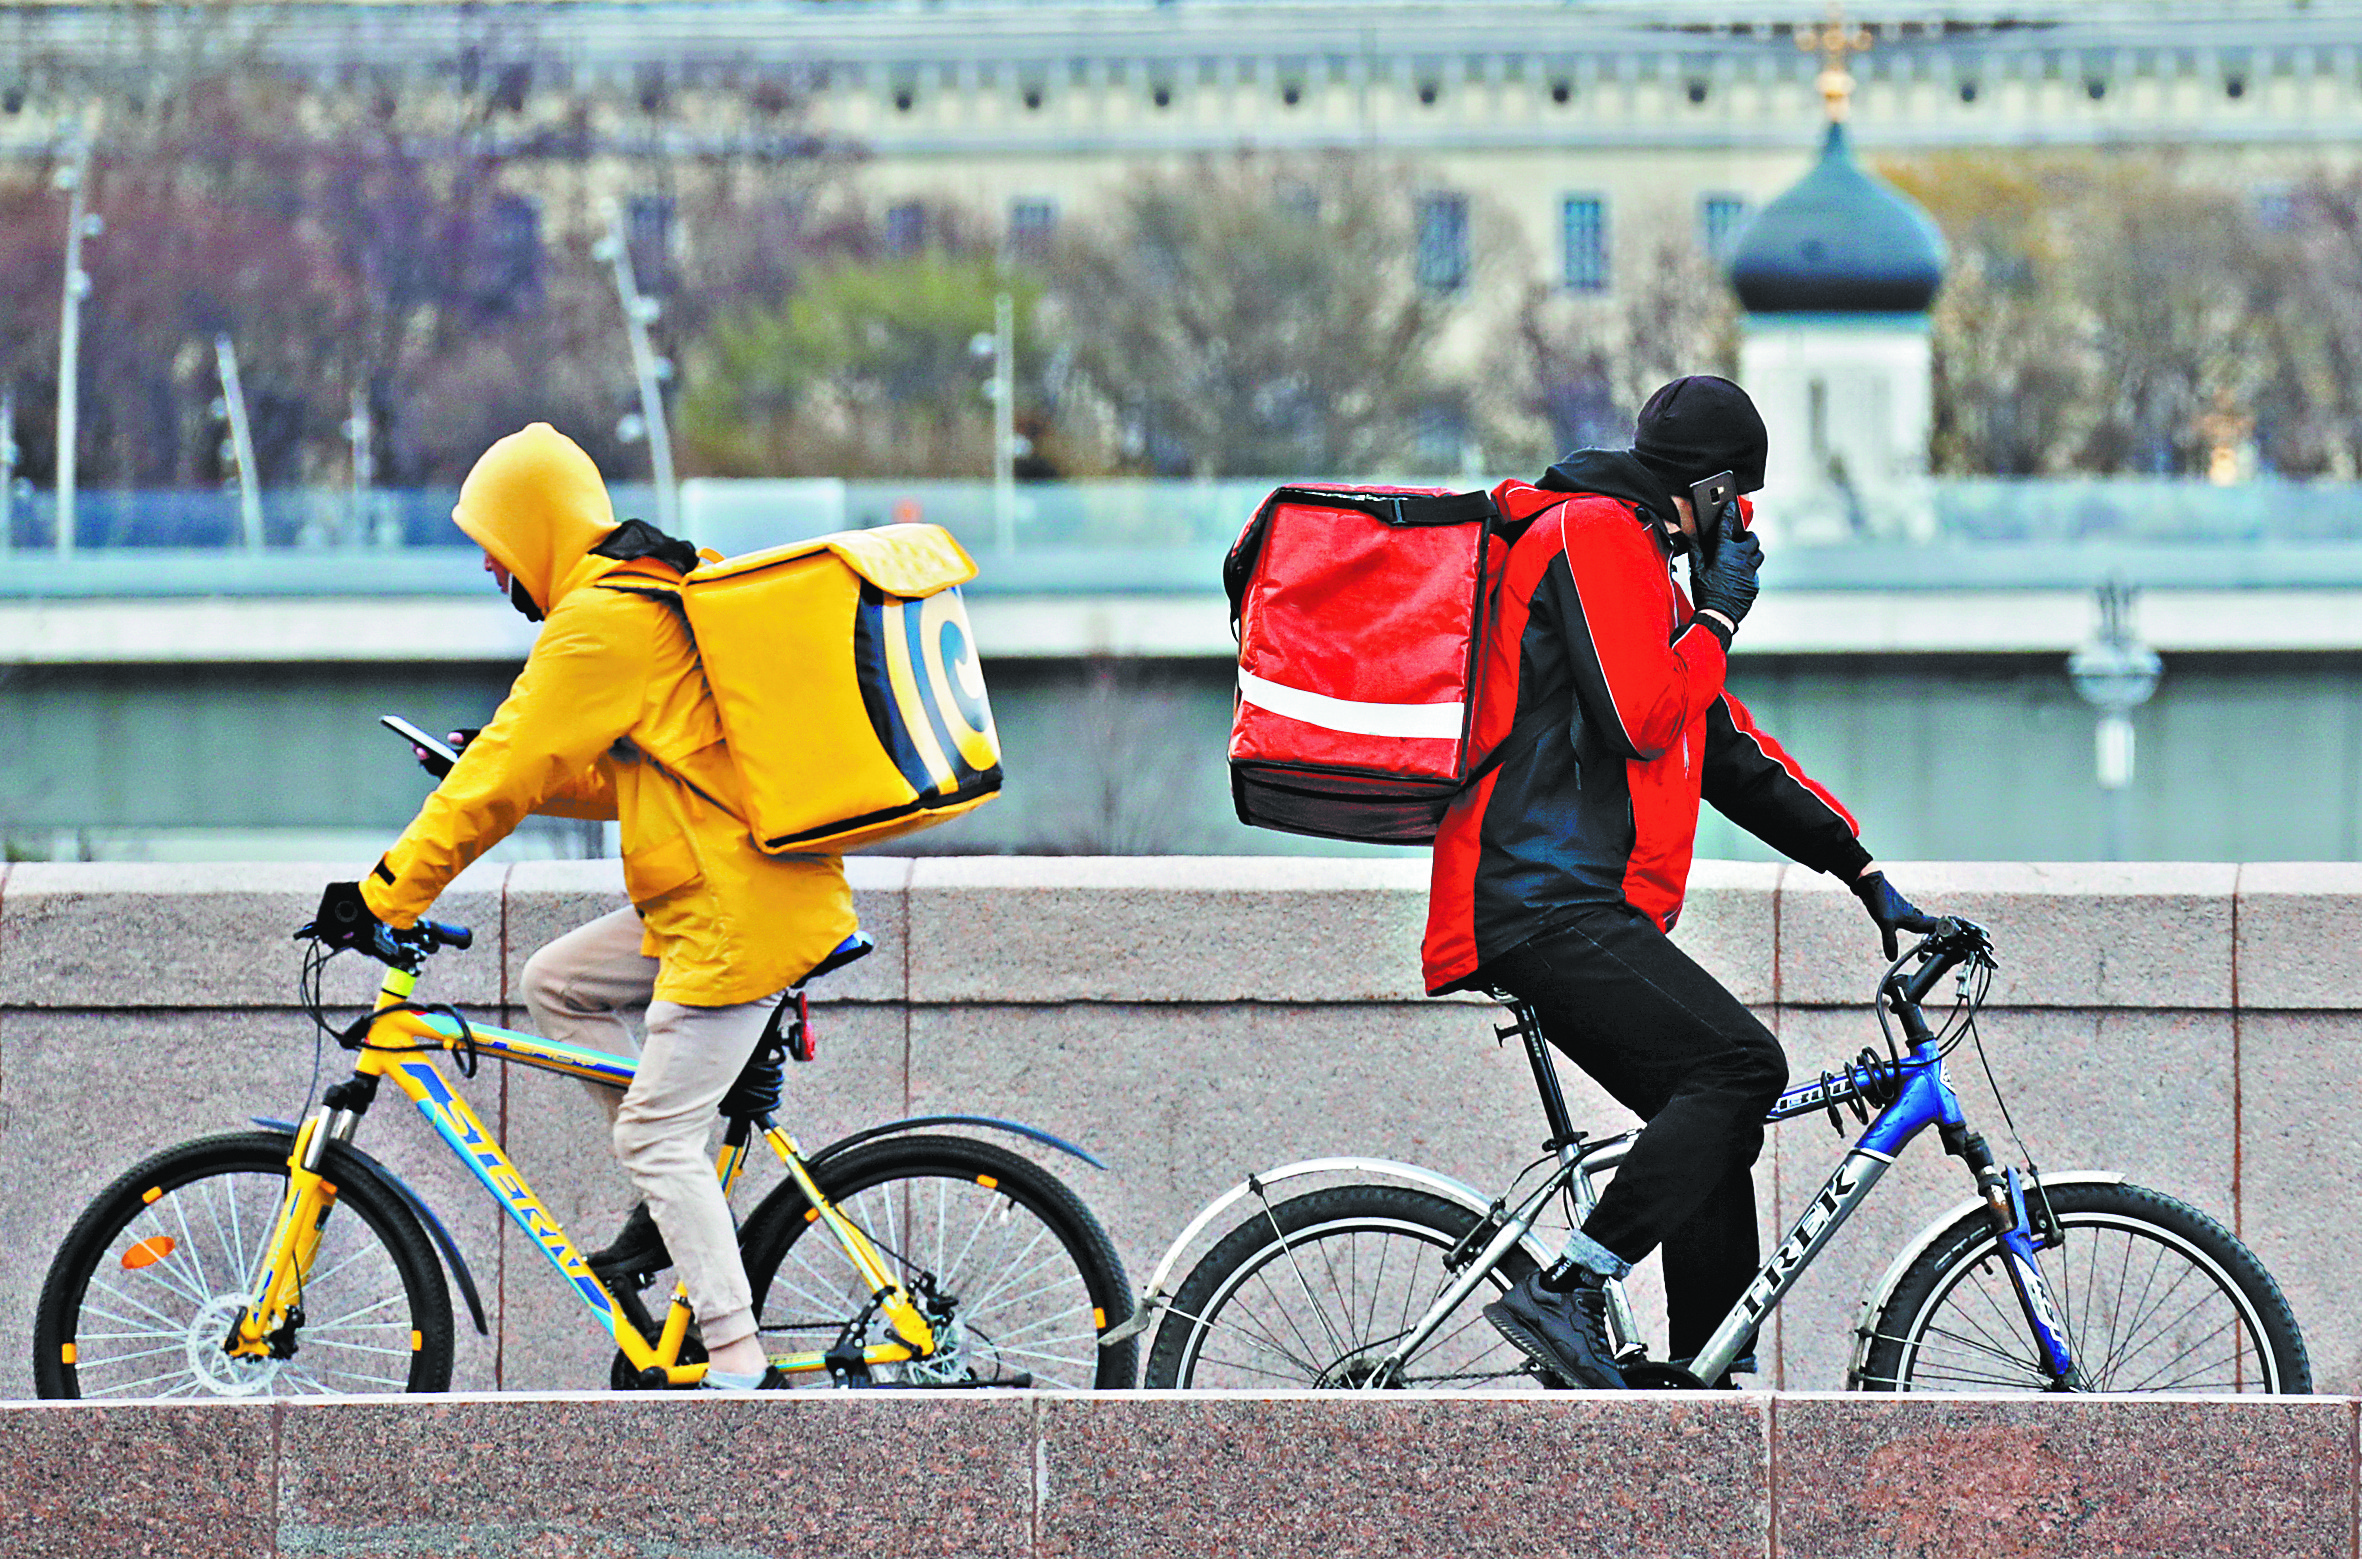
{"x": 2043, "y": 1282}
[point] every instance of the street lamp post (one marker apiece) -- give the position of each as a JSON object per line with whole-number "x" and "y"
{"x": 359, "y": 431}
{"x": 233, "y": 410}
{"x": 80, "y": 224}
{"x": 1001, "y": 389}
{"x": 2115, "y": 674}
{"x": 639, "y": 312}
{"x": 7, "y": 470}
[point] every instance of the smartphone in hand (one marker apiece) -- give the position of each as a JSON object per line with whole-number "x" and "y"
{"x": 1710, "y": 500}
{"x": 418, "y": 738}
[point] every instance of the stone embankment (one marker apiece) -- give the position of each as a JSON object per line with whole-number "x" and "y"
{"x": 1191, "y": 1020}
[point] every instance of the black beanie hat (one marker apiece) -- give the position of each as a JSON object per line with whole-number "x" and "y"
{"x": 1699, "y": 427}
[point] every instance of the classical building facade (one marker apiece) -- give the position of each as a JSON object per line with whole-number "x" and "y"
{"x": 1594, "y": 128}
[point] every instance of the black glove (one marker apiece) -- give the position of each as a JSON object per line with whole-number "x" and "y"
{"x": 1725, "y": 578}
{"x": 458, "y": 741}
{"x": 1890, "y": 909}
{"x": 344, "y": 919}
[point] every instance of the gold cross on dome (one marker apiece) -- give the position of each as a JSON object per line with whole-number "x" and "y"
{"x": 1835, "y": 43}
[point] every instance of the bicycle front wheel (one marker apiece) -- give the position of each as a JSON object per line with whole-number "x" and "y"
{"x": 2154, "y": 1296}
{"x": 1318, "y": 1290}
{"x": 1016, "y": 1273}
{"x": 153, "y": 1276}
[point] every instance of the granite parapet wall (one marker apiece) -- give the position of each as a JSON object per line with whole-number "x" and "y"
{"x": 1192, "y": 1020}
{"x": 1113, "y": 1476}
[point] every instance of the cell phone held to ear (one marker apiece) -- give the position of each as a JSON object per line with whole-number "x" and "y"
{"x": 1713, "y": 501}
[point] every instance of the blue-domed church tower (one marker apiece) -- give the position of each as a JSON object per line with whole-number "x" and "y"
{"x": 1836, "y": 277}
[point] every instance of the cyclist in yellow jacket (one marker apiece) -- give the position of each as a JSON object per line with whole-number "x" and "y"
{"x": 612, "y": 718}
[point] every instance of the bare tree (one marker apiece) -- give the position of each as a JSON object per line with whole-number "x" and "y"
{"x": 1572, "y": 370}
{"x": 2013, "y": 360}
{"x": 1258, "y": 315}
{"x": 2310, "y": 412}
{"x": 1129, "y": 766}
{"x": 420, "y": 239}
{"x": 2096, "y": 312}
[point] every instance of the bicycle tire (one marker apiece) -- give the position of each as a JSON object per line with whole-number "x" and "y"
{"x": 2154, "y": 1294}
{"x": 152, "y": 1274}
{"x": 915, "y": 1196}
{"x": 1238, "y": 1297}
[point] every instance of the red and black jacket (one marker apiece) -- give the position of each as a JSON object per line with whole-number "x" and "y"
{"x": 1610, "y": 700}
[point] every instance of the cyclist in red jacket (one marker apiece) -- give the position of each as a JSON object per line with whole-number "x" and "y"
{"x": 1558, "y": 875}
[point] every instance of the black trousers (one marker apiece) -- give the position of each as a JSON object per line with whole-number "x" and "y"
{"x": 1677, "y": 1050}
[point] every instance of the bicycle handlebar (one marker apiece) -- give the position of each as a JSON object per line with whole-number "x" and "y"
{"x": 428, "y": 935}
{"x": 1951, "y": 941}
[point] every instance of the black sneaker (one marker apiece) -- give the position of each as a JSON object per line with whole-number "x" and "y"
{"x": 1563, "y": 1332}
{"x": 635, "y": 1252}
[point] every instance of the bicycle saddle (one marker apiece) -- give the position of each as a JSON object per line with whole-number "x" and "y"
{"x": 851, "y": 950}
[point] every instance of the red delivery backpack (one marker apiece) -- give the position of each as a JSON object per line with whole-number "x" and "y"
{"x": 1361, "y": 614}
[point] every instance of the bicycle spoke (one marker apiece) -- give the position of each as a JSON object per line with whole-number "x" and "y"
{"x": 2228, "y": 1324}
{"x": 1288, "y": 1250}
{"x": 352, "y": 1316}
{"x": 1254, "y": 1328}
{"x": 170, "y": 1323}
{"x": 1263, "y": 1277}
{"x": 175, "y": 1345}
{"x": 1007, "y": 1276}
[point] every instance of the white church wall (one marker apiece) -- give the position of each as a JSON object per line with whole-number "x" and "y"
{"x": 1846, "y": 402}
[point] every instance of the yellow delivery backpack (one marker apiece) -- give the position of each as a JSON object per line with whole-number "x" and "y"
{"x": 848, "y": 685}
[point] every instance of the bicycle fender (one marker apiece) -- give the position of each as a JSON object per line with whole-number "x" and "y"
{"x": 1874, "y": 1298}
{"x": 915, "y": 1122}
{"x": 1443, "y": 1185}
{"x": 426, "y": 1215}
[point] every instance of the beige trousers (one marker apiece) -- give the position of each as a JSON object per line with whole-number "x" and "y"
{"x": 580, "y": 989}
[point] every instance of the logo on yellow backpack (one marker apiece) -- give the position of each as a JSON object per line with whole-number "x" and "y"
{"x": 918, "y": 659}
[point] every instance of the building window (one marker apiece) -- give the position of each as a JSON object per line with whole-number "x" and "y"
{"x": 1583, "y": 227}
{"x": 906, "y": 227}
{"x": 1443, "y": 242}
{"x": 508, "y": 256}
{"x": 1721, "y": 218}
{"x": 1032, "y": 224}
{"x": 648, "y": 235}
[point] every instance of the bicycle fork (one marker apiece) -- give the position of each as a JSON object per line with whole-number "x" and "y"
{"x": 2013, "y": 1225}
{"x": 266, "y": 1327}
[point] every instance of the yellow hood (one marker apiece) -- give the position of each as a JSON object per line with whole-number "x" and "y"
{"x": 536, "y": 504}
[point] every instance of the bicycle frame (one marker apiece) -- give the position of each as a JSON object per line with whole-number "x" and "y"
{"x": 1915, "y": 1096}
{"x": 400, "y": 1045}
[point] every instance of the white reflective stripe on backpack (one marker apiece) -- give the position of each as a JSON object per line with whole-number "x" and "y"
{"x": 1435, "y": 722}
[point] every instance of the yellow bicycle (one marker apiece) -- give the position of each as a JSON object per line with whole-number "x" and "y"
{"x": 287, "y": 1261}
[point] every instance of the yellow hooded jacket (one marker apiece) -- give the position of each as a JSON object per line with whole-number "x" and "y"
{"x": 612, "y": 717}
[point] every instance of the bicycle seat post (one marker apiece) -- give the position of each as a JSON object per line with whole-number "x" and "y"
{"x": 1528, "y": 1026}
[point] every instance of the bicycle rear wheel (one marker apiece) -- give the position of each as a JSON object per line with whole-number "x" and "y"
{"x": 149, "y": 1282}
{"x": 2154, "y": 1296}
{"x": 1019, "y": 1274}
{"x": 1317, "y": 1290}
